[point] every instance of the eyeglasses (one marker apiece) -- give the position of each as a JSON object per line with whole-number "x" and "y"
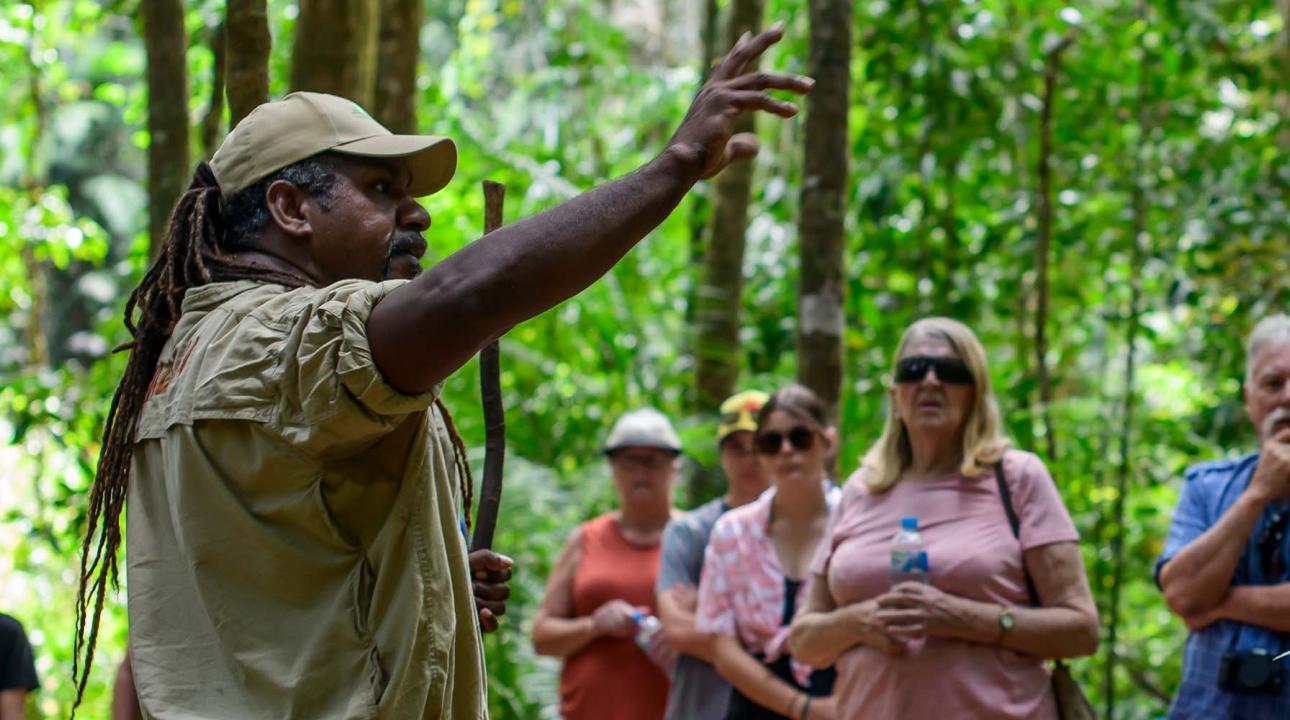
{"x": 949, "y": 370}
{"x": 800, "y": 438}
{"x": 1272, "y": 544}
{"x": 650, "y": 461}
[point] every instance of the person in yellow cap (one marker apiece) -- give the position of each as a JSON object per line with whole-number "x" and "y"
{"x": 295, "y": 486}
{"x": 698, "y": 690}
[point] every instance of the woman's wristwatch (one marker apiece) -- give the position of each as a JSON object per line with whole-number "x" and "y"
{"x": 1006, "y": 621}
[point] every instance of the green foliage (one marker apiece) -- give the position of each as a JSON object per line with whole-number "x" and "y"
{"x": 1179, "y": 103}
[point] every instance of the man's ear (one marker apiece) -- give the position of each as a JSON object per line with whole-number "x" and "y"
{"x": 286, "y": 207}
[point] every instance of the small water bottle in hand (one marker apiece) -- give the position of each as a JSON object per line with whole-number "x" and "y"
{"x": 908, "y": 556}
{"x": 646, "y": 627}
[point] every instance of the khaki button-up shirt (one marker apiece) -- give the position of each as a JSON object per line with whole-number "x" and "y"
{"x": 294, "y": 547}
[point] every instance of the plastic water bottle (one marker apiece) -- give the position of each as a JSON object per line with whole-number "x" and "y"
{"x": 908, "y": 556}
{"x": 646, "y": 626}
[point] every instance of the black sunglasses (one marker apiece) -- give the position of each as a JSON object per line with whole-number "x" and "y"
{"x": 949, "y": 370}
{"x": 800, "y": 437}
{"x": 1271, "y": 546}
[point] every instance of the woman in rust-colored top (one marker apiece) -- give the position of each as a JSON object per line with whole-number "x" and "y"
{"x": 602, "y": 588}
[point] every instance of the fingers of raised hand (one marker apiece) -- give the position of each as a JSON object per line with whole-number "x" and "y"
{"x": 487, "y": 621}
{"x": 747, "y": 50}
{"x": 755, "y": 100}
{"x": 763, "y": 80}
{"x": 740, "y": 146}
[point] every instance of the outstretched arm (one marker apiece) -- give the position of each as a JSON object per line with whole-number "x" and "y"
{"x": 424, "y": 331}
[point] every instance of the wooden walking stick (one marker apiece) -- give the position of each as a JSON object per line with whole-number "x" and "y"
{"x": 490, "y": 388}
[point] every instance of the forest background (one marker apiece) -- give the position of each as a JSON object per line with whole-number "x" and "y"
{"x": 1100, "y": 189}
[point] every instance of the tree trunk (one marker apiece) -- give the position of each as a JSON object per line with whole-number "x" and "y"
{"x": 168, "y": 163}
{"x": 335, "y": 48}
{"x": 700, "y": 205}
{"x": 720, "y": 294}
{"x": 704, "y": 482}
{"x": 215, "y": 109}
{"x": 398, "y": 50}
{"x": 824, "y": 190}
{"x": 247, "y": 42}
{"x": 1044, "y": 205}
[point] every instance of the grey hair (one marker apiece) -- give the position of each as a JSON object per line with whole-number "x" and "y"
{"x": 1271, "y": 330}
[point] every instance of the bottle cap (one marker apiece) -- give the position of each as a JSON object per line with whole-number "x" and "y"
{"x": 909, "y": 522}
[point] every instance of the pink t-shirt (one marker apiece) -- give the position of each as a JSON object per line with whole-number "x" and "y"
{"x": 972, "y": 553}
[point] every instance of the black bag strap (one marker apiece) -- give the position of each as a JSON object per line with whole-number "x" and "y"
{"x": 1005, "y": 494}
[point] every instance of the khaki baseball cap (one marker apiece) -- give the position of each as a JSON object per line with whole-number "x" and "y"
{"x": 277, "y": 134}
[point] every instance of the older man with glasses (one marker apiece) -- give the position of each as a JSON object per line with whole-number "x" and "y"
{"x": 1224, "y": 567}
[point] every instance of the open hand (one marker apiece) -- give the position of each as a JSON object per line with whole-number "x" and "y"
{"x": 706, "y": 140}
{"x": 490, "y": 573}
{"x": 914, "y": 610}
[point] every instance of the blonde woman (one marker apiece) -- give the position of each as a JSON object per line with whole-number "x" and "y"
{"x": 968, "y": 644}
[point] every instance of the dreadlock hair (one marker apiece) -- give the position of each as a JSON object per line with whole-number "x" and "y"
{"x": 200, "y": 247}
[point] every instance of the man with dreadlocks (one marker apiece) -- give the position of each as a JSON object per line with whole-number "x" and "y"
{"x": 295, "y": 486}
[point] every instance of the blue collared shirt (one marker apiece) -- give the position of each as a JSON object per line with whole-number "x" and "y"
{"x": 1209, "y": 491}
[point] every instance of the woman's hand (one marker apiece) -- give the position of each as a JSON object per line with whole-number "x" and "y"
{"x": 819, "y": 636}
{"x": 661, "y": 651}
{"x": 874, "y": 630}
{"x": 824, "y": 708}
{"x": 616, "y": 618}
{"x": 914, "y": 610}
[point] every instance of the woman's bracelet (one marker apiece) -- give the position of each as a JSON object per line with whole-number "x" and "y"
{"x": 792, "y": 702}
{"x": 806, "y": 707}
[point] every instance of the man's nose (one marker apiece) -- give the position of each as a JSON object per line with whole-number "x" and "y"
{"x": 413, "y": 217}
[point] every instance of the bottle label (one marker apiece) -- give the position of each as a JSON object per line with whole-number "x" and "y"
{"x": 907, "y": 561}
